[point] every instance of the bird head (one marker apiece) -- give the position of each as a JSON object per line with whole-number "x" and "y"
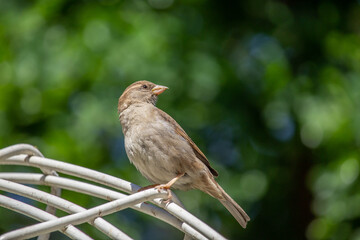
{"x": 140, "y": 92}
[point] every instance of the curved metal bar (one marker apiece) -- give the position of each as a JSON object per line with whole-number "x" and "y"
{"x": 61, "y": 204}
{"x": 191, "y": 223}
{"x": 81, "y": 217}
{"x": 18, "y": 149}
{"x": 38, "y": 214}
{"x": 73, "y": 170}
{"x": 100, "y": 192}
{"x": 32, "y": 151}
{"x": 114, "y": 182}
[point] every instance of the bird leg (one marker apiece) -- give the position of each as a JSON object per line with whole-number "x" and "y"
{"x": 168, "y": 185}
{"x": 147, "y": 187}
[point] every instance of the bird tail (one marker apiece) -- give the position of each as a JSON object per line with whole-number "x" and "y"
{"x": 238, "y": 213}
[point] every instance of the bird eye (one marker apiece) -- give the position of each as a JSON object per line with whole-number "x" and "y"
{"x": 145, "y": 86}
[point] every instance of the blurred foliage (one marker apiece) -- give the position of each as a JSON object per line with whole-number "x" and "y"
{"x": 269, "y": 90}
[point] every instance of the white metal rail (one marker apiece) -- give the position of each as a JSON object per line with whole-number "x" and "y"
{"x": 172, "y": 213}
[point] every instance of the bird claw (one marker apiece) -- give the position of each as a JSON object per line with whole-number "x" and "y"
{"x": 167, "y": 188}
{"x": 166, "y": 201}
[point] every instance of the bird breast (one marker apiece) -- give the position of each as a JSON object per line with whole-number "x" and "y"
{"x": 153, "y": 146}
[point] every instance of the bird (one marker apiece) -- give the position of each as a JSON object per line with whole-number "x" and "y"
{"x": 162, "y": 151}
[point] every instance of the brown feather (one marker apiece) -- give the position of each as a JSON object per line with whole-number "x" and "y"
{"x": 199, "y": 154}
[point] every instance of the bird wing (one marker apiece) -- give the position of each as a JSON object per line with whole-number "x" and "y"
{"x": 199, "y": 154}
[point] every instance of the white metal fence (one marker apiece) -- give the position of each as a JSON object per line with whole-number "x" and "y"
{"x": 172, "y": 213}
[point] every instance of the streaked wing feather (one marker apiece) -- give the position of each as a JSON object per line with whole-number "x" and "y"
{"x": 199, "y": 154}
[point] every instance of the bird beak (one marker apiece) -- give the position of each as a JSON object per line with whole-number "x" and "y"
{"x": 158, "y": 89}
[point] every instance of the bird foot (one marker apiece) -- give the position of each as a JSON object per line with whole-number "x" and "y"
{"x": 167, "y": 188}
{"x": 168, "y": 185}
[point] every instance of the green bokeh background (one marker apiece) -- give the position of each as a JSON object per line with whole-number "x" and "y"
{"x": 269, "y": 90}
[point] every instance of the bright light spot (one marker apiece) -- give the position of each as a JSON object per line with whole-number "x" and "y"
{"x": 96, "y": 34}
{"x": 253, "y": 185}
{"x": 336, "y": 210}
{"x": 311, "y": 135}
{"x": 325, "y": 185}
{"x": 349, "y": 171}
{"x": 317, "y": 229}
{"x": 26, "y": 68}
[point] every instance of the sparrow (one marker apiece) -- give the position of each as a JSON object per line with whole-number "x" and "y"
{"x": 162, "y": 151}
